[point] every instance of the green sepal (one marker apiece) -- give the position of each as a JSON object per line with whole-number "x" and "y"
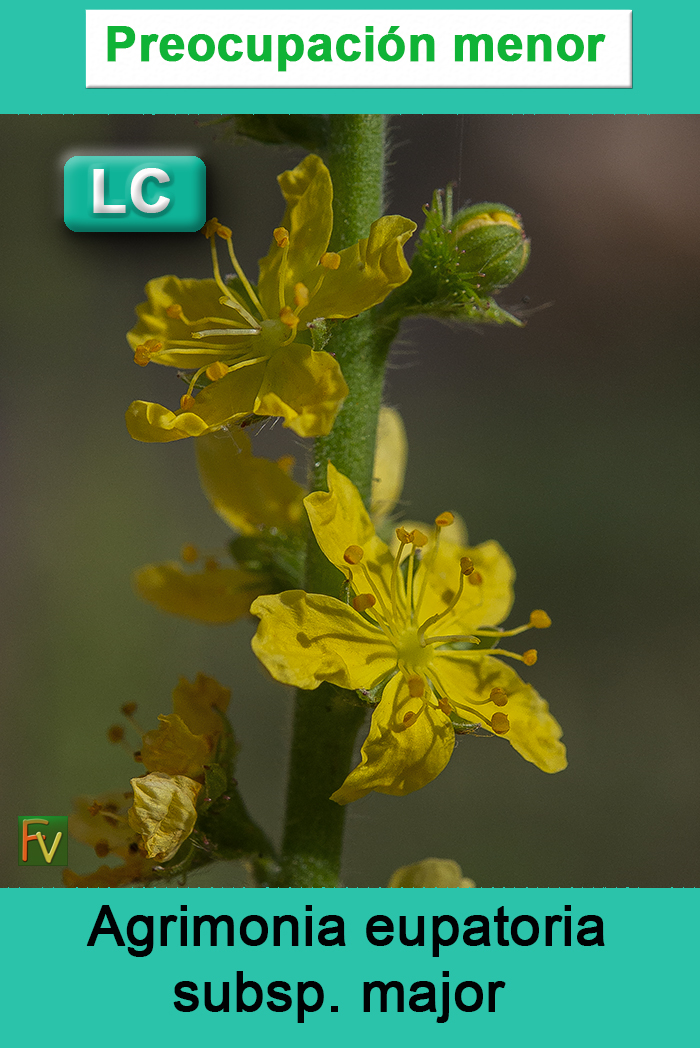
{"x": 372, "y": 696}
{"x": 278, "y": 556}
{"x": 215, "y": 783}
{"x": 463, "y": 727}
{"x": 320, "y": 332}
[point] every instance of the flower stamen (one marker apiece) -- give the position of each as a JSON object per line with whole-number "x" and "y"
{"x": 244, "y": 279}
{"x": 144, "y": 352}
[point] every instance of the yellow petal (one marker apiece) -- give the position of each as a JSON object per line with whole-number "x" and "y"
{"x": 304, "y": 639}
{"x": 368, "y": 271}
{"x": 305, "y": 388}
{"x": 534, "y": 732}
{"x": 246, "y": 491}
{"x": 198, "y": 702}
{"x": 339, "y": 519}
{"x": 487, "y": 604}
{"x": 230, "y": 399}
{"x": 216, "y": 596}
{"x": 394, "y": 761}
{"x": 309, "y": 219}
{"x": 197, "y": 299}
{"x": 164, "y": 812}
{"x": 174, "y": 749}
{"x": 389, "y": 464}
{"x": 431, "y": 873}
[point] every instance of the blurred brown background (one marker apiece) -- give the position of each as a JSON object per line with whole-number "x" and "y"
{"x": 574, "y": 443}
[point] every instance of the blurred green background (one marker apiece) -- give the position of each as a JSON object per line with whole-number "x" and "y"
{"x": 573, "y": 442}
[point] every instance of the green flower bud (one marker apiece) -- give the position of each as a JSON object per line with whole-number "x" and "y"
{"x": 461, "y": 260}
{"x": 491, "y": 245}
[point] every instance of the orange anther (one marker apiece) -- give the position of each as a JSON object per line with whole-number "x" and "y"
{"x": 540, "y": 619}
{"x": 353, "y": 554}
{"x": 288, "y": 317}
{"x": 466, "y": 566}
{"x": 301, "y": 295}
{"x": 409, "y": 720}
{"x": 500, "y": 723}
{"x": 419, "y": 539}
{"x": 129, "y": 709}
{"x": 216, "y": 371}
{"x": 115, "y": 733}
{"x": 186, "y": 402}
{"x": 174, "y": 311}
{"x": 498, "y": 697}
{"x": 445, "y": 519}
{"x": 363, "y": 601}
{"x": 476, "y": 578}
{"x": 286, "y": 463}
{"x": 330, "y": 260}
{"x": 416, "y": 687}
{"x": 281, "y": 236}
{"x": 189, "y": 553}
{"x": 530, "y": 657}
{"x": 404, "y": 536}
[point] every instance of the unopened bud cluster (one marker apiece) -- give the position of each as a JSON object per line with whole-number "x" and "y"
{"x": 463, "y": 259}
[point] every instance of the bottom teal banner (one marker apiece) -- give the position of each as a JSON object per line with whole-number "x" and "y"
{"x": 482, "y": 966}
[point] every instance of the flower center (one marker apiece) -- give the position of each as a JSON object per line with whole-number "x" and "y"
{"x": 273, "y": 333}
{"x": 419, "y": 645}
{"x": 414, "y": 655}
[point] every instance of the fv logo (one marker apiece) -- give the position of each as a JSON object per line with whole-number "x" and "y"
{"x": 43, "y": 841}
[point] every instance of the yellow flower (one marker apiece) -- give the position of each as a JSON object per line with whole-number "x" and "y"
{"x": 420, "y": 631}
{"x": 213, "y": 595}
{"x": 187, "y": 738}
{"x": 431, "y": 873}
{"x": 201, "y": 703}
{"x": 259, "y": 358}
{"x": 164, "y": 812}
{"x": 102, "y": 823}
{"x": 254, "y": 495}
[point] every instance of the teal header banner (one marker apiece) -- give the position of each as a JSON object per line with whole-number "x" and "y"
{"x": 482, "y": 966}
{"x": 44, "y": 70}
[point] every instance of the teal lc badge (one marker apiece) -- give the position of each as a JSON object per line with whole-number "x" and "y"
{"x": 134, "y": 194}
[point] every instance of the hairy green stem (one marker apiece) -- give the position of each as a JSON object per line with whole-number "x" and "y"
{"x": 326, "y": 721}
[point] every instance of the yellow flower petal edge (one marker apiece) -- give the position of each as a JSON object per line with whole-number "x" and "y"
{"x": 389, "y": 464}
{"x": 254, "y": 344}
{"x": 216, "y": 595}
{"x": 200, "y": 703}
{"x": 397, "y": 759}
{"x": 306, "y": 638}
{"x": 174, "y": 749}
{"x": 247, "y": 492}
{"x": 426, "y": 632}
